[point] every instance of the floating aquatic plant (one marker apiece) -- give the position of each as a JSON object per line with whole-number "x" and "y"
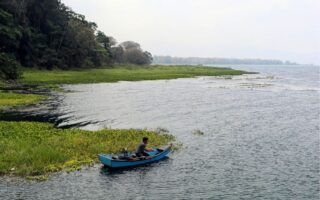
{"x": 35, "y": 149}
{"x": 197, "y": 132}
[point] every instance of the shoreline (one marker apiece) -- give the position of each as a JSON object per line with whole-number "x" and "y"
{"x": 40, "y": 162}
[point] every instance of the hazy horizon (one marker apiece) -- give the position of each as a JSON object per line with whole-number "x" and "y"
{"x": 265, "y": 29}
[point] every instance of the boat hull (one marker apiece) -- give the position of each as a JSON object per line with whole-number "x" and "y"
{"x": 155, "y": 155}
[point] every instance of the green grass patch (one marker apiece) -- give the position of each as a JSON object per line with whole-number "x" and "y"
{"x": 122, "y": 73}
{"x": 14, "y": 99}
{"x": 33, "y": 150}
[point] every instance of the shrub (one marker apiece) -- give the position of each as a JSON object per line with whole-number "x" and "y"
{"x": 9, "y": 67}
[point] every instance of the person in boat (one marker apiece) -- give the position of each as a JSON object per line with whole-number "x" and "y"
{"x": 143, "y": 149}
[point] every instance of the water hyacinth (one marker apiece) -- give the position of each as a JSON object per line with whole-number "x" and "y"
{"x": 35, "y": 149}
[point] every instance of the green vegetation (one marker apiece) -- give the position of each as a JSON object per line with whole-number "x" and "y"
{"x": 34, "y": 150}
{"x": 122, "y": 73}
{"x": 47, "y": 34}
{"x": 197, "y": 132}
{"x": 14, "y": 99}
{"x": 37, "y": 149}
{"x": 2, "y": 84}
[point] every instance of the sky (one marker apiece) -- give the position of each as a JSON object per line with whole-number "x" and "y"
{"x": 267, "y": 29}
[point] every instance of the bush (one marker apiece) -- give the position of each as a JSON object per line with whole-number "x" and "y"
{"x": 9, "y": 67}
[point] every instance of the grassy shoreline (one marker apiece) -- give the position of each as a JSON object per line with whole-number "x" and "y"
{"x": 122, "y": 73}
{"x": 35, "y": 150}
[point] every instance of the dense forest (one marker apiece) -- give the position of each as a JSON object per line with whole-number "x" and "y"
{"x": 208, "y": 61}
{"x": 46, "y": 34}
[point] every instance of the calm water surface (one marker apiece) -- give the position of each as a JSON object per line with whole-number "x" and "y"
{"x": 261, "y": 138}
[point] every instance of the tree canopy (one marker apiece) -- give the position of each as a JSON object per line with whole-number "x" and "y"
{"x": 47, "y": 34}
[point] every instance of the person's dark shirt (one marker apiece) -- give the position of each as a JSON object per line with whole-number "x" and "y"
{"x": 141, "y": 149}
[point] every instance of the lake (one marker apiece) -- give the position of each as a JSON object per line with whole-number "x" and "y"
{"x": 260, "y": 141}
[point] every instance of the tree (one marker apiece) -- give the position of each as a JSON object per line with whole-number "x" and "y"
{"x": 8, "y": 67}
{"x": 130, "y": 45}
{"x": 138, "y": 57}
{"x": 134, "y": 54}
{"x": 148, "y": 57}
{"x": 79, "y": 43}
{"x": 118, "y": 54}
{"x": 47, "y": 34}
{"x": 105, "y": 41}
{"x": 9, "y": 34}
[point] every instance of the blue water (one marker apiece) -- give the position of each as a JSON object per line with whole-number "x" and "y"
{"x": 261, "y": 138}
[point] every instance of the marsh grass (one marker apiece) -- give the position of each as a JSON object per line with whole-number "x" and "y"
{"x": 35, "y": 150}
{"x": 122, "y": 73}
{"x": 14, "y": 99}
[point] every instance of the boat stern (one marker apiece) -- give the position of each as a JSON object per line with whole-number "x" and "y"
{"x": 105, "y": 159}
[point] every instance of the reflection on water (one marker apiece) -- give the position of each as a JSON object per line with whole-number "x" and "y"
{"x": 260, "y": 138}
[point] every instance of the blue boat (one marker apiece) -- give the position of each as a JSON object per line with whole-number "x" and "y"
{"x": 118, "y": 162}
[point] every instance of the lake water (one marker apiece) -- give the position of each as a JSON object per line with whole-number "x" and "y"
{"x": 261, "y": 138}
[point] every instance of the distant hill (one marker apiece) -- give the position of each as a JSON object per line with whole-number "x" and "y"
{"x": 207, "y": 61}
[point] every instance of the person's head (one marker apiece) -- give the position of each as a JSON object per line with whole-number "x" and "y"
{"x": 145, "y": 140}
